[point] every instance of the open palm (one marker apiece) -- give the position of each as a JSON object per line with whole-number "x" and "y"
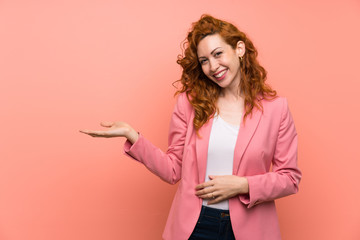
{"x": 114, "y": 129}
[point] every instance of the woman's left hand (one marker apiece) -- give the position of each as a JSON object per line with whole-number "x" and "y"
{"x": 220, "y": 188}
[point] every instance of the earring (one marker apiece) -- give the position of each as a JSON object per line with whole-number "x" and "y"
{"x": 241, "y": 58}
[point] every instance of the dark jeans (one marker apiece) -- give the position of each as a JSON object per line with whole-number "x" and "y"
{"x": 213, "y": 224}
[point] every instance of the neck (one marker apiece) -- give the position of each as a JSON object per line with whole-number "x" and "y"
{"x": 232, "y": 92}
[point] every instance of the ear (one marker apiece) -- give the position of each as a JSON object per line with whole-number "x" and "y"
{"x": 240, "y": 48}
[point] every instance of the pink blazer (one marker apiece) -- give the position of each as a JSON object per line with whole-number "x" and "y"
{"x": 266, "y": 138}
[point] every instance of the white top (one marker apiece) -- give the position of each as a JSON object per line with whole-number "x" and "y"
{"x": 221, "y": 153}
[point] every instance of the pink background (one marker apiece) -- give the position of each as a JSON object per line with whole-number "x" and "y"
{"x": 67, "y": 65}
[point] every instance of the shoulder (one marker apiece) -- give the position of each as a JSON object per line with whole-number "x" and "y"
{"x": 183, "y": 102}
{"x": 275, "y": 108}
{"x": 278, "y": 110}
{"x": 183, "y": 108}
{"x": 181, "y": 97}
{"x": 278, "y": 103}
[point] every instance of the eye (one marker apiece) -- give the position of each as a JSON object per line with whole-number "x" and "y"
{"x": 203, "y": 61}
{"x": 217, "y": 54}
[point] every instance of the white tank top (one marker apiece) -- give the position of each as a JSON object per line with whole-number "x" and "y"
{"x": 221, "y": 153}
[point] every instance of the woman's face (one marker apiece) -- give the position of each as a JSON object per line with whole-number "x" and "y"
{"x": 219, "y": 61}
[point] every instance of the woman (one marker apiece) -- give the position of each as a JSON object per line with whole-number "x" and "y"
{"x": 227, "y": 130}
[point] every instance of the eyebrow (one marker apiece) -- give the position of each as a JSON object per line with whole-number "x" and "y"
{"x": 211, "y": 52}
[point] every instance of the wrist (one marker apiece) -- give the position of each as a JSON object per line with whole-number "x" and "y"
{"x": 132, "y": 135}
{"x": 243, "y": 186}
{"x": 246, "y": 186}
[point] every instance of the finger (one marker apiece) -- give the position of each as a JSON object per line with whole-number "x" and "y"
{"x": 204, "y": 185}
{"x": 207, "y": 195}
{"x": 204, "y": 191}
{"x": 212, "y": 196}
{"x": 211, "y": 177}
{"x": 200, "y": 186}
{"x": 98, "y": 133}
{"x": 87, "y": 131}
{"x": 107, "y": 124}
{"x": 215, "y": 199}
{"x": 203, "y": 196}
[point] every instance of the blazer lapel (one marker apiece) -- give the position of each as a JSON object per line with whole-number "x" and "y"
{"x": 202, "y": 144}
{"x": 245, "y": 134}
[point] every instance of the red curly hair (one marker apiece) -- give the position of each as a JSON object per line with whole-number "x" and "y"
{"x": 202, "y": 92}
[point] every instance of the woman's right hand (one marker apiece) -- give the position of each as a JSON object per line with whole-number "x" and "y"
{"x": 115, "y": 129}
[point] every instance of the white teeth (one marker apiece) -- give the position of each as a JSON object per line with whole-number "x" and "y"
{"x": 220, "y": 74}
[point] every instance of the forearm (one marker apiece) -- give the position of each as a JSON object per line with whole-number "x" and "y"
{"x": 166, "y": 165}
{"x": 270, "y": 186}
{"x": 132, "y": 135}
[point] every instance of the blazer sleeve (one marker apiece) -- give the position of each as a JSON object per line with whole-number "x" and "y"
{"x": 166, "y": 165}
{"x": 285, "y": 176}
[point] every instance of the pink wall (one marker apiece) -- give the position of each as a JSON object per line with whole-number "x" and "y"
{"x": 67, "y": 65}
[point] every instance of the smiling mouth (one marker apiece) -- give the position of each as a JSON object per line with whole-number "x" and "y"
{"x": 221, "y": 75}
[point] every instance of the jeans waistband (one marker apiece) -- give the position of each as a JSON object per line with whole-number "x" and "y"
{"x": 214, "y": 212}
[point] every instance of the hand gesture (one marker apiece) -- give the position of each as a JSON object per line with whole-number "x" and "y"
{"x": 115, "y": 129}
{"x": 220, "y": 188}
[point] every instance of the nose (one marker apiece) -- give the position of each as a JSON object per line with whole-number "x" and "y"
{"x": 214, "y": 65}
